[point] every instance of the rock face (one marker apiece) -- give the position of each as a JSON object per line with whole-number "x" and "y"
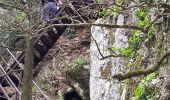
{"x": 165, "y": 90}
{"x": 101, "y": 87}
{"x": 2, "y": 11}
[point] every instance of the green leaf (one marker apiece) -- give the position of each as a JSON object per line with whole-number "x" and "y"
{"x": 20, "y": 15}
{"x": 140, "y": 14}
{"x": 144, "y": 22}
{"x": 141, "y": 92}
{"x": 98, "y": 1}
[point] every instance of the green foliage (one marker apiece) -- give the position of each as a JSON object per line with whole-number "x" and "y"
{"x": 117, "y": 8}
{"x": 142, "y": 1}
{"x": 79, "y": 62}
{"x": 138, "y": 37}
{"x": 125, "y": 51}
{"x": 60, "y": 96}
{"x": 165, "y": 62}
{"x": 151, "y": 32}
{"x": 159, "y": 50}
{"x": 78, "y": 68}
{"x": 105, "y": 12}
{"x": 142, "y": 92}
{"x": 46, "y": 86}
{"x": 20, "y": 16}
{"x": 98, "y": 1}
{"x": 141, "y": 14}
{"x": 34, "y": 89}
{"x": 134, "y": 38}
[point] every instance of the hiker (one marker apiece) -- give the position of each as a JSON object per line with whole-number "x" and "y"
{"x": 50, "y": 9}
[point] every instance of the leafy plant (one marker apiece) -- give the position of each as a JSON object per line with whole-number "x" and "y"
{"x": 98, "y": 1}
{"x": 60, "y": 96}
{"x": 133, "y": 45}
{"x": 105, "y": 12}
{"x": 46, "y": 86}
{"x": 20, "y": 15}
{"x": 79, "y": 62}
{"x": 125, "y": 51}
{"x": 34, "y": 89}
{"x": 141, "y": 14}
{"x": 142, "y": 91}
{"x": 134, "y": 38}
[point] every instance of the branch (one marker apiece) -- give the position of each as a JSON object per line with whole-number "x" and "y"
{"x": 136, "y": 73}
{"x": 74, "y": 9}
{"x": 17, "y": 49}
{"x": 97, "y": 47}
{"x": 108, "y": 56}
{"x": 151, "y": 23}
{"x": 90, "y": 24}
{"x": 164, "y": 5}
{"x": 7, "y": 6}
{"x": 104, "y": 57}
{"x": 4, "y": 75}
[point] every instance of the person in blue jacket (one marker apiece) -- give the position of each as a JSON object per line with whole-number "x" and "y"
{"x": 49, "y": 9}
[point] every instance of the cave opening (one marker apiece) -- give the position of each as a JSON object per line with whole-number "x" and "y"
{"x": 71, "y": 95}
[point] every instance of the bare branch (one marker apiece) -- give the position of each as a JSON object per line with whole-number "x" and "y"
{"x": 93, "y": 24}
{"x": 104, "y": 57}
{"x": 17, "y": 70}
{"x": 109, "y": 56}
{"x": 17, "y": 49}
{"x": 136, "y": 73}
{"x": 7, "y": 6}
{"x": 97, "y": 47}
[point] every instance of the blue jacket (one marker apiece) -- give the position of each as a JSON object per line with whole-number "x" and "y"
{"x": 49, "y": 11}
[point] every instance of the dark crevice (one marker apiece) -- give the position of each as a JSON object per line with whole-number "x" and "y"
{"x": 71, "y": 95}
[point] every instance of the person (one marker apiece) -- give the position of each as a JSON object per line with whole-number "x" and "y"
{"x": 49, "y": 10}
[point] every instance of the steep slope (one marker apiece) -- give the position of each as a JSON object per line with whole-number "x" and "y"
{"x": 69, "y": 52}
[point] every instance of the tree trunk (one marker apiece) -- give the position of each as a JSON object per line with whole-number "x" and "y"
{"x": 28, "y": 70}
{"x": 29, "y": 53}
